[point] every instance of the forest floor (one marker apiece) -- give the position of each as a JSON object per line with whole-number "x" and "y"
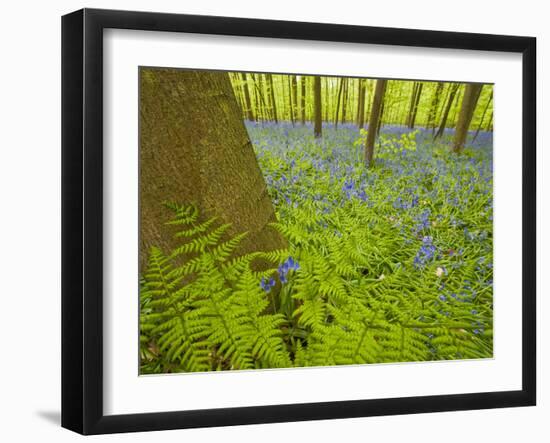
{"x": 417, "y": 227}
{"x": 392, "y": 263}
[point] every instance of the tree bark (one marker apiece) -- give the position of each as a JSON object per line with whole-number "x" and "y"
{"x": 469, "y": 102}
{"x": 452, "y": 92}
{"x": 345, "y": 101}
{"x": 483, "y": 116}
{"x": 295, "y": 97}
{"x": 415, "y": 107}
{"x": 411, "y": 106}
{"x": 318, "y": 129}
{"x": 303, "y": 98}
{"x": 272, "y": 94}
{"x": 374, "y": 119}
{"x": 361, "y": 104}
{"x": 194, "y": 149}
{"x": 246, "y": 90}
{"x": 290, "y": 106}
{"x": 434, "y": 106}
{"x": 340, "y": 89}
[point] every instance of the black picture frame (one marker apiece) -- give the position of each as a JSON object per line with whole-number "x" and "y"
{"x": 82, "y": 218}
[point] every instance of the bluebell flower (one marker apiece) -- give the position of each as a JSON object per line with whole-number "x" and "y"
{"x": 266, "y": 285}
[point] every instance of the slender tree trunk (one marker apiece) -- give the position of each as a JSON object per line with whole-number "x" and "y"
{"x": 303, "y": 98}
{"x": 434, "y": 106}
{"x": 249, "y": 113}
{"x": 452, "y": 92}
{"x": 361, "y": 104}
{"x": 318, "y": 129}
{"x": 294, "y": 97}
{"x": 194, "y": 149}
{"x": 374, "y": 119}
{"x": 483, "y": 116}
{"x": 469, "y": 102}
{"x": 338, "y": 103}
{"x": 272, "y": 94}
{"x": 411, "y": 106}
{"x": 290, "y": 101}
{"x": 441, "y": 110}
{"x": 345, "y": 102}
{"x": 490, "y": 123}
{"x": 416, "y": 102}
{"x": 370, "y": 89}
{"x": 455, "y": 109}
{"x": 260, "y": 101}
{"x": 381, "y": 119}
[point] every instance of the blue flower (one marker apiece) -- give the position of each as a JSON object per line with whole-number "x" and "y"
{"x": 266, "y": 285}
{"x": 288, "y": 265}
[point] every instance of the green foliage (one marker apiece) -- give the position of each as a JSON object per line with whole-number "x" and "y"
{"x": 343, "y": 297}
{"x": 207, "y": 311}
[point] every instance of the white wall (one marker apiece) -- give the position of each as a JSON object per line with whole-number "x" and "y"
{"x": 30, "y": 219}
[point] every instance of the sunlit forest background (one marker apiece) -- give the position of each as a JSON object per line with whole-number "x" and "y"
{"x": 291, "y": 221}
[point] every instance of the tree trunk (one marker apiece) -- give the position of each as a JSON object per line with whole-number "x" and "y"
{"x": 483, "y": 116}
{"x": 318, "y": 129}
{"x": 490, "y": 123}
{"x": 361, "y": 104}
{"x": 452, "y": 93}
{"x": 194, "y": 149}
{"x": 415, "y": 107}
{"x": 434, "y": 106}
{"x": 381, "y": 119}
{"x": 338, "y": 103}
{"x": 249, "y": 113}
{"x": 272, "y": 94}
{"x": 303, "y": 98}
{"x": 260, "y": 101}
{"x": 374, "y": 119}
{"x": 411, "y": 106}
{"x": 345, "y": 101}
{"x": 290, "y": 104}
{"x": 469, "y": 102}
{"x": 295, "y": 97}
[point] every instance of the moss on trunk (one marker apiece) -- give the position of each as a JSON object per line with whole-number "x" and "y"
{"x": 194, "y": 148}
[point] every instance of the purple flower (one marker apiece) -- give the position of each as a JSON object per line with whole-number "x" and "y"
{"x": 266, "y": 285}
{"x": 284, "y": 268}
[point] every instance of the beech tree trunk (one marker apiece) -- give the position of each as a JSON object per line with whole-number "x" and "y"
{"x": 361, "y": 89}
{"x": 469, "y": 102}
{"x": 247, "y": 101}
{"x": 345, "y": 101}
{"x": 483, "y": 116}
{"x": 450, "y": 99}
{"x": 411, "y": 106}
{"x": 303, "y": 98}
{"x": 415, "y": 107}
{"x": 318, "y": 129}
{"x": 272, "y": 94}
{"x": 295, "y": 97}
{"x": 374, "y": 120}
{"x": 194, "y": 149}
{"x": 340, "y": 89}
{"x": 434, "y": 106}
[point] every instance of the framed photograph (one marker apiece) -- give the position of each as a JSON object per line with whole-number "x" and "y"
{"x": 269, "y": 221}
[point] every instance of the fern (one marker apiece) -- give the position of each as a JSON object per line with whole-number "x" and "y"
{"x": 338, "y": 296}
